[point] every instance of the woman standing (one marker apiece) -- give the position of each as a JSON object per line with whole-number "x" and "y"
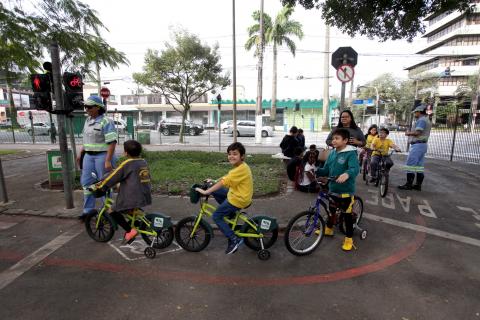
{"x": 98, "y": 151}
{"x": 357, "y": 138}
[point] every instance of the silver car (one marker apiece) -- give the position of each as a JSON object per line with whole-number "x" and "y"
{"x": 247, "y": 128}
{"x": 40, "y": 128}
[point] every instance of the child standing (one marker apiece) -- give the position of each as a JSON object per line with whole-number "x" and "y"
{"x": 308, "y": 182}
{"x": 343, "y": 164}
{"x": 380, "y": 146}
{"x": 135, "y": 187}
{"x": 233, "y": 192}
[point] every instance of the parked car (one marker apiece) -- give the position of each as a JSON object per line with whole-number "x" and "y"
{"x": 120, "y": 125}
{"x": 168, "y": 127}
{"x": 394, "y": 127}
{"x": 40, "y": 128}
{"x": 247, "y": 128}
{"x": 224, "y": 125}
{"x": 145, "y": 126}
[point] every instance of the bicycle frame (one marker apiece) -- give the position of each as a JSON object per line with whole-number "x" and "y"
{"x": 136, "y": 215}
{"x": 208, "y": 209}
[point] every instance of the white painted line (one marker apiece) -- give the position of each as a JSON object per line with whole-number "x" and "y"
{"x": 438, "y": 233}
{"x": 6, "y": 225}
{"x": 15, "y": 271}
{"x": 11, "y": 176}
{"x": 137, "y": 247}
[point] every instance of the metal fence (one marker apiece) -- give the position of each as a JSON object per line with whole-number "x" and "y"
{"x": 454, "y": 136}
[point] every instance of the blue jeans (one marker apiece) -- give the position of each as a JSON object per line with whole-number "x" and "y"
{"x": 92, "y": 163}
{"x": 224, "y": 209}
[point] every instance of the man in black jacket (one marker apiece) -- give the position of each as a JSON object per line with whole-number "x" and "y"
{"x": 290, "y": 143}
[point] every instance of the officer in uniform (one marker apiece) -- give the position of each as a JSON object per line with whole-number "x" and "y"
{"x": 418, "y": 140}
{"x": 98, "y": 151}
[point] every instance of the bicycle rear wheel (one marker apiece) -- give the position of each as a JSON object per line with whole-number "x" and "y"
{"x": 163, "y": 239}
{"x": 269, "y": 237}
{"x": 106, "y": 227}
{"x": 357, "y": 211}
{"x": 196, "y": 242}
{"x": 304, "y": 233}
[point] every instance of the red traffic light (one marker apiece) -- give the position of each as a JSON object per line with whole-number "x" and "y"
{"x": 72, "y": 81}
{"x": 40, "y": 83}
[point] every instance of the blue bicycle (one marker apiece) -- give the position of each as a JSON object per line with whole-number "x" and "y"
{"x": 305, "y": 230}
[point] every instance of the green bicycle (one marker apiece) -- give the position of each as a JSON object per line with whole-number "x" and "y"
{"x": 194, "y": 233}
{"x": 155, "y": 228}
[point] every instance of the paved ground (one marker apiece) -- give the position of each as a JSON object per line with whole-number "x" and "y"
{"x": 419, "y": 261}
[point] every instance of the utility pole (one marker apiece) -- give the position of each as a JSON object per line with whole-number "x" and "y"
{"x": 61, "y": 117}
{"x": 258, "y": 117}
{"x": 234, "y": 80}
{"x": 326, "y": 81}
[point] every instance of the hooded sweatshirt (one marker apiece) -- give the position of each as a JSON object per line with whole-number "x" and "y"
{"x": 337, "y": 163}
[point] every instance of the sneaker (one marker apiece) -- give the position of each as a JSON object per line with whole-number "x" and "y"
{"x": 328, "y": 231}
{"x": 130, "y": 236}
{"x": 417, "y": 187}
{"x": 348, "y": 244}
{"x": 228, "y": 245}
{"x": 234, "y": 245}
{"x": 406, "y": 186}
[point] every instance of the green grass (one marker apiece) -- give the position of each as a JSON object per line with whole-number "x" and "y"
{"x": 5, "y": 152}
{"x": 174, "y": 172}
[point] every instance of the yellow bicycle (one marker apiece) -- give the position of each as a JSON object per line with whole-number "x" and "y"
{"x": 194, "y": 233}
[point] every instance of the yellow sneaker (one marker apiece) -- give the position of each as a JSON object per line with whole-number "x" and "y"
{"x": 348, "y": 244}
{"x": 328, "y": 231}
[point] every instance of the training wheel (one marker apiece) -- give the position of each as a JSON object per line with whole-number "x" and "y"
{"x": 263, "y": 254}
{"x": 363, "y": 235}
{"x": 150, "y": 252}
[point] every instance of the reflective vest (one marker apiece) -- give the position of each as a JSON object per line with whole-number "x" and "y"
{"x": 98, "y": 133}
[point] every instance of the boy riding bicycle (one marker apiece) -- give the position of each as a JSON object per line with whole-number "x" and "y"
{"x": 233, "y": 192}
{"x": 135, "y": 187}
{"x": 341, "y": 162}
{"x": 380, "y": 146}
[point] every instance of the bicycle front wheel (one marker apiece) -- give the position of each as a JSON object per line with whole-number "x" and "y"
{"x": 195, "y": 242}
{"x": 383, "y": 185}
{"x": 106, "y": 227}
{"x": 304, "y": 233}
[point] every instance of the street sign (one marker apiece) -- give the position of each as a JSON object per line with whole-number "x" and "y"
{"x": 344, "y": 55}
{"x": 105, "y": 92}
{"x": 345, "y": 73}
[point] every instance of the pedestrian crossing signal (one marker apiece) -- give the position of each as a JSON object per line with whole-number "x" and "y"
{"x": 41, "y": 86}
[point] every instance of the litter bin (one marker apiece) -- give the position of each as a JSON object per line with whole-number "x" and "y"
{"x": 54, "y": 166}
{"x": 143, "y": 137}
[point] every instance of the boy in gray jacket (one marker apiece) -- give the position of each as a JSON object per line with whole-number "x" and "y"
{"x": 135, "y": 187}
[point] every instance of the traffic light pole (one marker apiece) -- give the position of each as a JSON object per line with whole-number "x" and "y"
{"x": 61, "y": 117}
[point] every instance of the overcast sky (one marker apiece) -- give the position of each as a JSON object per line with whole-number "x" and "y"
{"x": 135, "y": 26}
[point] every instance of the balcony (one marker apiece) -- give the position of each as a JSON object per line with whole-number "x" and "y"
{"x": 465, "y": 30}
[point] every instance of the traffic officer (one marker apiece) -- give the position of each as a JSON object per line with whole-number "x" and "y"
{"x": 418, "y": 140}
{"x": 98, "y": 151}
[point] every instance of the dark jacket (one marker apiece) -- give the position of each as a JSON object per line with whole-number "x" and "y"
{"x": 354, "y": 133}
{"x": 345, "y": 161}
{"x": 288, "y": 145}
{"x": 135, "y": 186}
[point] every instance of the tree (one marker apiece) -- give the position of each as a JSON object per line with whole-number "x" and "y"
{"x": 393, "y": 19}
{"x": 25, "y": 36}
{"x": 277, "y": 33}
{"x": 183, "y": 72}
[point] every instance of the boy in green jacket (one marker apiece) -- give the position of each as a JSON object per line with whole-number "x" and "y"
{"x": 343, "y": 164}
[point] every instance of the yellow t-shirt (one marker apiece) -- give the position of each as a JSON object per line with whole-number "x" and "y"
{"x": 239, "y": 182}
{"x": 369, "y": 140}
{"x": 382, "y": 146}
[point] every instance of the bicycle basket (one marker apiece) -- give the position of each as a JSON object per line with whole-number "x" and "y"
{"x": 194, "y": 195}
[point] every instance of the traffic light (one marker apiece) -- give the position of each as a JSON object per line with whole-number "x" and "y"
{"x": 73, "y": 91}
{"x": 446, "y": 73}
{"x": 41, "y": 86}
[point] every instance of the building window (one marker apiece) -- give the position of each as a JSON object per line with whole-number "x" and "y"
{"x": 469, "y": 62}
{"x": 445, "y": 31}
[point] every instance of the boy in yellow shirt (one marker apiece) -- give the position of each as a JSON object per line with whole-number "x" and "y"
{"x": 380, "y": 146}
{"x": 233, "y": 192}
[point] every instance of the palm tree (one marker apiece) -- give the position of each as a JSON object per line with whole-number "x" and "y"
{"x": 277, "y": 33}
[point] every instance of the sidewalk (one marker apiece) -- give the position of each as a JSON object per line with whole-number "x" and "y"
{"x": 24, "y": 173}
